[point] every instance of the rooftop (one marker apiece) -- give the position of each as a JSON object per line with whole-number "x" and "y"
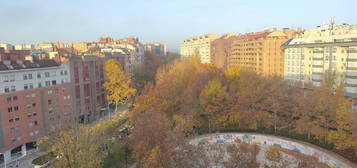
{"x": 18, "y": 65}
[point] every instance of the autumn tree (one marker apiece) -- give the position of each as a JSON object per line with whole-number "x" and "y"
{"x": 118, "y": 83}
{"x": 341, "y": 137}
{"x": 324, "y": 99}
{"x": 214, "y": 103}
{"x": 80, "y": 147}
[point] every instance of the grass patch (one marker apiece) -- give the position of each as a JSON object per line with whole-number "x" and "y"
{"x": 43, "y": 159}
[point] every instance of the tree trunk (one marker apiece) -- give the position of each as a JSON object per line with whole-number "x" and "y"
{"x": 209, "y": 126}
{"x": 274, "y": 122}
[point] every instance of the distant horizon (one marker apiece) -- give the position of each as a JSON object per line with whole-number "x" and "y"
{"x": 167, "y": 22}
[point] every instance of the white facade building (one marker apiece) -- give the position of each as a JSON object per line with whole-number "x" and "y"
{"x": 317, "y": 52}
{"x": 202, "y": 44}
{"x": 6, "y": 46}
{"x": 14, "y": 80}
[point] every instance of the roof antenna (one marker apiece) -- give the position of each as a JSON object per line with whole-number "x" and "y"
{"x": 332, "y": 22}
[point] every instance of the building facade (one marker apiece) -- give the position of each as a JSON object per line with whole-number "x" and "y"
{"x": 6, "y": 46}
{"x": 14, "y": 55}
{"x": 200, "y": 44}
{"x": 35, "y": 99}
{"x": 89, "y": 100}
{"x": 156, "y": 48}
{"x": 260, "y": 52}
{"x": 220, "y": 50}
{"x": 317, "y": 52}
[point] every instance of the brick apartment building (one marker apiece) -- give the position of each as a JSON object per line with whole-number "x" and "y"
{"x": 260, "y": 52}
{"x": 220, "y": 50}
{"x": 87, "y": 74}
{"x": 35, "y": 99}
{"x": 13, "y": 55}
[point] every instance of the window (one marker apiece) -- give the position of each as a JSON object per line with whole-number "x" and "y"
{"x": 25, "y": 77}
{"x": 49, "y": 92}
{"x": 6, "y": 79}
{"x": 48, "y": 83}
{"x": 54, "y": 82}
{"x": 55, "y": 91}
{"x": 66, "y": 97}
{"x": 31, "y": 86}
{"x": 47, "y": 74}
{"x": 53, "y": 73}
{"x": 39, "y": 75}
{"x": 9, "y": 99}
{"x": 9, "y": 109}
{"x": 30, "y": 76}
{"x": 28, "y": 106}
{"x": 17, "y": 119}
{"x": 14, "y": 129}
{"x": 26, "y": 86}
{"x": 13, "y": 89}
{"x": 12, "y": 78}
{"x": 49, "y": 101}
{"x": 11, "y": 120}
{"x": 16, "y": 108}
{"x": 6, "y": 89}
{"x": 39, "y": 85}
{"x": 14, "y": 98}
{"x": 35, "y": 123}
{"x": 33, "y": 104}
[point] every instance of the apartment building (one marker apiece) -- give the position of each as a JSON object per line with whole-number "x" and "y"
{"x": 156, "y": 48}
{"x": 24, "y": 47}
{"x": 35, "y": 99}
{"x": 220, "y": 50}
{"x": 89, "y": 100}
{"x": 129, "y": 51}
{"x": 327, "y": 49}
{"x": 13, "y": 55}
{"x": 6, "y": 46}
{"x": 200, "y": 44}
{"x": 260, "y": 52}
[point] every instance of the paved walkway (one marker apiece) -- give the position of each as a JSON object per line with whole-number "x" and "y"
{"x": 24, "y": 162}
{"x": 323, "y": 155}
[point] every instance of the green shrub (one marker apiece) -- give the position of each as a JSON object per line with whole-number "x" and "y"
{"x": 43, "y": 159}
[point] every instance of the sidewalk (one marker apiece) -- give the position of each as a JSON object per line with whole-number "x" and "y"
{"x": 121, "y": 109}
{"x": 24, "y": 162}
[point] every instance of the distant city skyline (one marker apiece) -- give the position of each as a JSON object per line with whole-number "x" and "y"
{"x": 167, "y": 22}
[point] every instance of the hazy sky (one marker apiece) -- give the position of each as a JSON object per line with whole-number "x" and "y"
{"x": 166, "y": 21}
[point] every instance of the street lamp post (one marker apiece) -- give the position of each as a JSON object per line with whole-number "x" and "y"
{"x": 108, "y": 110}
{"x": 109, "y": 102}
{"x": 4, "y": 159}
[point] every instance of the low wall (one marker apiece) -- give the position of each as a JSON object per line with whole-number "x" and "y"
{"x": 269, "y": 140}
